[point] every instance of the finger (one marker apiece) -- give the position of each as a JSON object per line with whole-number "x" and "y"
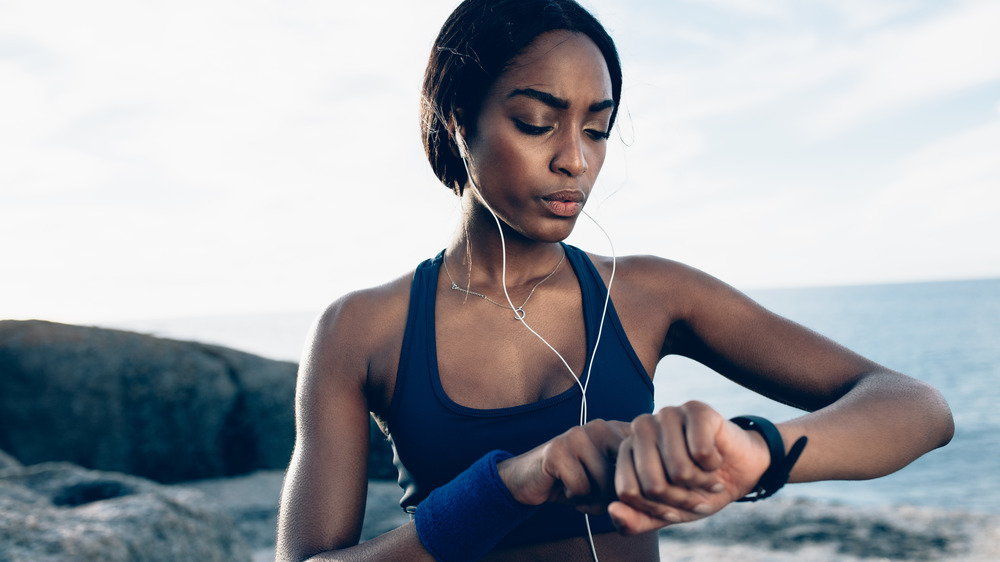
{"x": 581, "y": 460}
{"x": 605, "y": 436}
{"x": 702, "y": 425}
{"x": 563, "y": 465}
{"x": 651, "y": 443}
{"x": 630, "y": 521}
{"x": 622, "y": 429}
{"x": 678, "y": 424}
{"x": 627, "y": 485}
{"x": 600, "y": 461}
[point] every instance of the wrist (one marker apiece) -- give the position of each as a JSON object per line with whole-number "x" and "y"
{"x": 507, "y": 471}
{"x": 781, "y": 460}
{"x": 524, "y": 479}
{"x": 759, "y": 461}
{"x": 465, "y": 518}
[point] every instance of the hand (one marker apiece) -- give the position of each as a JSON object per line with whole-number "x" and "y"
{"x": 682, "y": 464}
{"x": 576, "y": 467}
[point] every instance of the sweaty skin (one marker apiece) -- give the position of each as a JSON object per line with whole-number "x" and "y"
{"x": 539, "y": 144}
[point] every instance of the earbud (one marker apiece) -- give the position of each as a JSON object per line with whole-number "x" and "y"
{"x": 463, "y": 154}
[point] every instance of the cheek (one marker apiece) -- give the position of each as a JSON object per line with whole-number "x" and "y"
{"x": 512, "y": 157}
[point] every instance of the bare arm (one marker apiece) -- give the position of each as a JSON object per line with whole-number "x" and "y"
{"x": 323, "y": 498}
{"x": 866, "y": 420}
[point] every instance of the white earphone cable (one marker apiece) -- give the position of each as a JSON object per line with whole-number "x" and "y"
{"x": 503, "y": 276}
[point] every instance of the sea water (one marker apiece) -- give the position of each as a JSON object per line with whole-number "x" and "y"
{"x": 945, "y": 333}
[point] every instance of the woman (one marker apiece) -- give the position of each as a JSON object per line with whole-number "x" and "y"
{"x": 481, "y": 363}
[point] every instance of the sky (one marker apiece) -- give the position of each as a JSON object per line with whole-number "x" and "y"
{"x": 213, "y": 157}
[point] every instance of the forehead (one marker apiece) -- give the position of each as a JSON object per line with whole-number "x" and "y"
{"x": 562, "y": 63}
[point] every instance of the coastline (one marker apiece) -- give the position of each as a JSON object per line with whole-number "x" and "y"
{"x": 781, "y": 529}
{"x": 838, "y": 521}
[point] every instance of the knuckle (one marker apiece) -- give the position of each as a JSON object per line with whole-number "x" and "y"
{"x": 620, "y": 428}
{"x": 660, "y": 491}
{"x": 666, "y": 413}
{"x": 695, "y": 405}
{"x": 702, "y": 454}
{"x": 696, "y": 409}
{"x": 578, "y": 436}
{"x": 645, "y": 424}
{"x": 658, "y": 510}
{"x": 641, "y": 419}
{"x": 556, "y": 449}
{"x": 682, "y": 474}
{"x": 629, "y": 494}
{"x": 599, "y": 427}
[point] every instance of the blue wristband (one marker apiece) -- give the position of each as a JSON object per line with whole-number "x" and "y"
{"x": 467, "y": 517}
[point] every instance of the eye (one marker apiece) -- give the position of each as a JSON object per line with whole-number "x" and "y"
{"x": 599, "y": 135}
{"x": 530, "y": 129}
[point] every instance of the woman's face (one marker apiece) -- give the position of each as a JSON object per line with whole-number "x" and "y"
{"x": 542, "y": 135}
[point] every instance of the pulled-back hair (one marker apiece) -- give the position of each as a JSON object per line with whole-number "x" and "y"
{"x": 474, "y": 47}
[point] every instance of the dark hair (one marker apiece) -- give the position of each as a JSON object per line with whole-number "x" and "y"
{"x": 474, "y": 47}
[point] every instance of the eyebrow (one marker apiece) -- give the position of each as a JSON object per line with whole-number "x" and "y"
{"x": 558, "y": 103}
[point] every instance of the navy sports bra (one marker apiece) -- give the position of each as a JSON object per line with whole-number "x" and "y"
{"x": 434, "y": 438}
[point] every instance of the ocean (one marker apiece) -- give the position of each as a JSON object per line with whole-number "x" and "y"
{"x": 945, "y": 333}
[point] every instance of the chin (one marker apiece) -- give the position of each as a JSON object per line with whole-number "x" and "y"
{"x": 558, "y": 233}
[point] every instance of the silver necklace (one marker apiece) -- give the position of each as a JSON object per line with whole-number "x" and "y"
{"x": 518, "y": 311}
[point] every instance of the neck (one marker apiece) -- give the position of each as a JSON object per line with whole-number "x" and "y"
{"x": 478, "y": 240}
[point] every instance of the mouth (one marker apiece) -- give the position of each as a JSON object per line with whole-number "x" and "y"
{"x": 565, "y": 203}
{"x": 565, "y": 196}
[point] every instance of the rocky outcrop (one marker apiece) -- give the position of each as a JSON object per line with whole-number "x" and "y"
{"x": 132, "y": 403}
{"x": 807, "y": 530}
{"x": 57, "y": 511}
{"x": 157, "y": 408}
{"x": 7, "y": 461}
{"x": 781, "y": 529}
{"x": 161, "y": 409}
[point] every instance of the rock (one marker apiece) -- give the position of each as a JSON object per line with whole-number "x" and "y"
{"x": 132, "y": 403}
{"x": 829, "y": 531}
{"x": 781, "y": 529}
{"x": 7, "y": 461}
{"x": 251, "y": 501}
{"x": 382, "y": 510}
{"x": 58, "y": 511}
{"x": 158, "y": 408}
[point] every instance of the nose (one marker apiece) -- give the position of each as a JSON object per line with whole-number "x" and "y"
{"x": 569, "y": 158}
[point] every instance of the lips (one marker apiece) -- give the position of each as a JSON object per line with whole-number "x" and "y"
{"x": 566, "y": 203}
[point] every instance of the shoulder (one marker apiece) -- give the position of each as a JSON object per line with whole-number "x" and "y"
{"x": 364, "y": 313}
{"x": 369, "y": 307}
{"x": 657, "y": 284}
{"x": 355, "y": 335}
{"x": 654, "y": 274}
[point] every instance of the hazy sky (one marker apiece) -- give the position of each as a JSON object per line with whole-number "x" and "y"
{"x": 209, "y": 157}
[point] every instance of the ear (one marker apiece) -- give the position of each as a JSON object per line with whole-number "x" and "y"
{"x": 455, "y": 131}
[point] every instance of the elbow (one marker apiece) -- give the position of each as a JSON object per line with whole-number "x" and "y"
{"x": 940, "y": 422}
{"x": 948, "y": 426}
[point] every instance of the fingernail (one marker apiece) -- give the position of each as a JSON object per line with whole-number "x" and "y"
{"x": 702, "y": 509}
{"x": 718, "y": 488}
{"x": 672, "y": 517}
